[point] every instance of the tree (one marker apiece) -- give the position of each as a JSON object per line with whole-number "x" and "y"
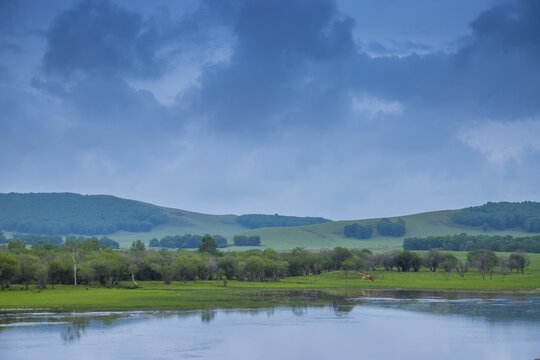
{"x": 208, "y": 245}
{"x": 137, "y": 247}
{"x": 228, "y": 265}
{"x": 73, "y": 247}
{"x": 518, "y": 261}
{"x": 433, "y": 259}
{"x": 408, "y": 260}
{"x": 8, "y": 268}
{"x": 59, "y": 270}
{"x": 504, "y": 266}
{"x": 339, "y": 255}
{"x": 28, "y": 267}
{"x": 449, "y": 263}
{"x": 347, "y": 265}
{"x": 462, "y": 268}
{"x": 16, "y": 244}
{"x": 483, "y": 260}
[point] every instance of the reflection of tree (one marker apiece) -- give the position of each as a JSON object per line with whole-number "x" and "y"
{"x": 299, "y": 310}
{"x": 76, "y": 329}
{"x": 207, "y": 316}
{"x": 78, "y": 325}
{"x": 341, "y": 306}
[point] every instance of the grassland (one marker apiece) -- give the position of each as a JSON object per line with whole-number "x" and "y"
{"x": 331, "y": 234}
{"x": 213, "y": 294}
{"x": 312, "y": 236}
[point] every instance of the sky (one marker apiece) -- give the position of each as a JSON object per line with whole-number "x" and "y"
{"x": 345, "y": 109}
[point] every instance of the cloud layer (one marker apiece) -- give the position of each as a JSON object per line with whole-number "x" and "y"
{"x": 256, "y": 106}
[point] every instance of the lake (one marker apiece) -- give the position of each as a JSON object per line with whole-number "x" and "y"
{"x": 378, "y": 325}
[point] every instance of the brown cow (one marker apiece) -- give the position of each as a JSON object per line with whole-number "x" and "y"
{"x": 366, "y": 277}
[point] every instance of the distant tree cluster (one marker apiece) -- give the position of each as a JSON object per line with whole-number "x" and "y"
{"x": 358, "y": 231}
{"x": 386, "y": 227}
{"x": 102, "y": 243}
{"x": 3, "y": 239}
{"x": 186, "y": 241}
{"x": 67, "y": 213}
{"x": 465, "y": 242}
{"x": 254, "y": 221}
{"x": 502, "y": 215}
{"x": 39, "y": 239}
{"x": 243, "y": 240}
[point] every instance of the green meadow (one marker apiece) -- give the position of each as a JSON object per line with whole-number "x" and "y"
{"x": 238, "y": 294}
{"x": 324, "y": 235}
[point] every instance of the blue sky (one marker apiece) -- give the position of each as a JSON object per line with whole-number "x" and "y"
{"x": 344, "y": 109}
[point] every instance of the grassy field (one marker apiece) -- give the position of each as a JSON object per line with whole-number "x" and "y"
{"x": 213, "y": 294}
{"x": 312, "y": 236}
{"x": 183, "y": 222}
{"x": 331, "y": 234}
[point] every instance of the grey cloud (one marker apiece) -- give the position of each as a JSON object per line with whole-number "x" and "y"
{"x": 97, "y": 36}
{"x": 285, "y": 66}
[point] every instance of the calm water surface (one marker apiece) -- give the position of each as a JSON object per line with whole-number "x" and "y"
{"x": 383, "y": 325}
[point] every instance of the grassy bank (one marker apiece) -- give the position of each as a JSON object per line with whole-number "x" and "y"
{"x": 213, "y": 294}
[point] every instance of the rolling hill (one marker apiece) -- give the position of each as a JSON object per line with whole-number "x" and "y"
{"x": 148, "y": 221}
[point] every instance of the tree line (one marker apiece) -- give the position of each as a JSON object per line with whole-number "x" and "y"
{"x": 385, "y": 227}
{"x": 501, "y": 216}
{"x": 254, "y": 221}
{"x": 68, "y": 213}
{"x": 465, "y": 242}
{"x": 186, "y": 241}
{"x": 39, "y": 239}
{"x": 86, "y": 262}
{"x": 243, "y": 240}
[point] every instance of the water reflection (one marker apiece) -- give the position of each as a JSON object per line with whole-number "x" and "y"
{"x": 489, "y": 307}
{"x": 208, "y": 315}
{"x": 311, "y": 325}
{"x": 75, "y": 329}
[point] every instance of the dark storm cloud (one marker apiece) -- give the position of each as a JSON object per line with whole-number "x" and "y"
{"x": 98, "y": 36}
{"x": 285, "y": 66}
{"x": 286, "y": 109}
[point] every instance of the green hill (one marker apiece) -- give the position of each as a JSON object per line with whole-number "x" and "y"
{"x": 127, "y": 220}
{"x": 68, "y": 213}
{"x": 330, "y": 234}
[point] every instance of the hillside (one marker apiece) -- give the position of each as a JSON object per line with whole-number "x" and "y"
{"x": 128, "y": 220}
{"x": 331, "y": 234}
{"x": 69, "y": 213}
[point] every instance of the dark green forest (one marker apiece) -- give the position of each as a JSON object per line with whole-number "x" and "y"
{"x": 358, "y": 231}
{"x": 465, "y": 242}
{"x": 68, "y": 213}
{"x": 31, "y": 239}
{"x": 502, "y": 215}
{"x": 254, "y": 221}
{"x": 243, "y": 240}
{"x": 386, "y": 227}
{"x": 186, "y": 241}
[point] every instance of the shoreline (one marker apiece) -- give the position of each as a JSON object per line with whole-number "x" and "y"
{"x": 204, "y": 295}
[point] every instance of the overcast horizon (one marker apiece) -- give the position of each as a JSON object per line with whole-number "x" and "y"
{"x": 342, "y": 109}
